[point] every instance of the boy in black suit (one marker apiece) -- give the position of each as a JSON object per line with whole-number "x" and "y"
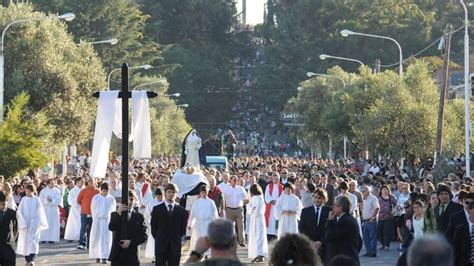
{"x": 445, "y": 208}
{"x": 125, "y": 249}
{"x": 313, "y": 220}
{"x": 168, "y": 226}
{"x": 8, "y": 223}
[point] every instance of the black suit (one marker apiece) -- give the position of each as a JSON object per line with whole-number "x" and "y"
{"x": 460, "y": 237}
{"x": 443, "y": 220}
{"x": 330, "y": 191}
{"x": 8, "y": 224}
{"x": 136, "y": 233}
{"x": 168, "y": 229}
{"x": 308, "y": 225}
{"x": 342, "y": 237}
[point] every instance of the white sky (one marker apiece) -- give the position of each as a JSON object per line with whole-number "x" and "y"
{"x": 254, "y": 11}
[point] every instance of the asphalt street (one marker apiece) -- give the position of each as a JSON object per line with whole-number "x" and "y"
{"x": 64, "y": 253}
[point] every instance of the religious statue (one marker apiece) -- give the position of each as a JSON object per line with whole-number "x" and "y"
{"x": 191, "y": 151}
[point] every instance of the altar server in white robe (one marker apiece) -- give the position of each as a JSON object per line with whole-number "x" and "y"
{"x": 74, "y": 218}
{"x": 258, "y": 244}
{"x": 203, "y": 212}
{"x": 51, "y": 199}
{"x": 150, "y": 243}
{"x": 272, "y": 192}
{"x": 31, "y": 220}
{"x": 102, "y": 206}
{"x": 288, "y": 211}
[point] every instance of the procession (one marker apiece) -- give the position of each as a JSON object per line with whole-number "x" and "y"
{"x": 236, "y": 132}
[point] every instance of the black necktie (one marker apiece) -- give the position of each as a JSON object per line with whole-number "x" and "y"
{"x": 170, "y": 208}
{"x": 317, "y": 216}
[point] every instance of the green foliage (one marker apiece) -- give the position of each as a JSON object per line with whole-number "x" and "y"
{"x": 25, "y": 138}
{"x": 42, "y": 59}
{"x": 201, "y": 36}
{"x": 394, "y": 115}
{"x": 100, "y": 20}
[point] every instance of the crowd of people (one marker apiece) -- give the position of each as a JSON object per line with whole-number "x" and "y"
{"x": 327, "y": 210}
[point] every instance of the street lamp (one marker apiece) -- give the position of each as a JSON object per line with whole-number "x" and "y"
{"x": 312, "y": 74}
{"x": 326, "y": 56}
{"x": 66, "y": 17}
{"x": 467, "y": 94}
{"x": 117, "y": 69}
{"x": 346, "y": 33}
{"x": 185, "y": 105}
{"x": 112, "y": 41}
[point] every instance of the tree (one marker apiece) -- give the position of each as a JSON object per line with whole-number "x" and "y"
{"x": 99, "y": 20}
{"x": 26, "y": 138}
{"x": 42, "y": 59}
{"x": 202, "y": 36}
{"x": 395, "y": 116}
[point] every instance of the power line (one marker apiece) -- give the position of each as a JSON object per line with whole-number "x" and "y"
{"x": 422, "y": 51}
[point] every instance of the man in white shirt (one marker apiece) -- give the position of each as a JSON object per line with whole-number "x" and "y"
{"x": 370, "y": 211}
{"x": 235, "y": 197}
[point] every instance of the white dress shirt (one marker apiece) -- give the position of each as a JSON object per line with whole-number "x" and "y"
{"x": 234, "y": 196}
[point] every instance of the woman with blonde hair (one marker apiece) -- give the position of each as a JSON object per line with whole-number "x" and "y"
{"x": 8, "y": 191}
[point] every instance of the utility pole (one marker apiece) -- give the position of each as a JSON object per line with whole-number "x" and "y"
{"x": 377, "y": 66}
{"x": 443, "y": 91}
{"x": 244, "y": 12}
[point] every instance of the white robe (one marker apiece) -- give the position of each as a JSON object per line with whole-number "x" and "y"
{"x": 203, "y": 212}
{"x": 51, "y": 209}
{"x": 271, "y": 228}
{"x": 31, "y": 220}
{"x": 11, "y": 203}
{"x": 288, "y": 223}
{"x": 101, "y": 237}
{"x": 150, "y": 243}
{"x": 192, "y": 145}
{"x": 258, "y": 244}
{"x": 74, "y": 218}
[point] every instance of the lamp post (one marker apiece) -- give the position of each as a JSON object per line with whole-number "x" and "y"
{"x": 312, "y": 74}
{"x": 112, "y": 41}
{"x": 184, "y": 105}
{"x": 467, "y": 93}
{"x": 66, "y": 17}
{"x": 117, "y": 69}
{"x": 326, "y": 56}
{"x": 346, "y": 33}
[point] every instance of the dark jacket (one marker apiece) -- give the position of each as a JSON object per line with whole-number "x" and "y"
{"x": 8, "y": 227}
{"x": 443, "y": 220}
{"x": 460, "y": 237}
{"x": 342, "y": 237}
{"x": 308, "y": 222}
{"x": 168, "y": 229}
{"x": 136, "y": 233}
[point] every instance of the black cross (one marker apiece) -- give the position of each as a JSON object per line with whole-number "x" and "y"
{"x": 125, "y": 91}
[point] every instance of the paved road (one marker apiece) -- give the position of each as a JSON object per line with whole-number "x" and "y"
{"x": 64, "y": 253}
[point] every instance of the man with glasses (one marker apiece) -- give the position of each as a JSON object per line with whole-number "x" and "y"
{"x": 313, "y": 220}
{"x": 460, "y": 232}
